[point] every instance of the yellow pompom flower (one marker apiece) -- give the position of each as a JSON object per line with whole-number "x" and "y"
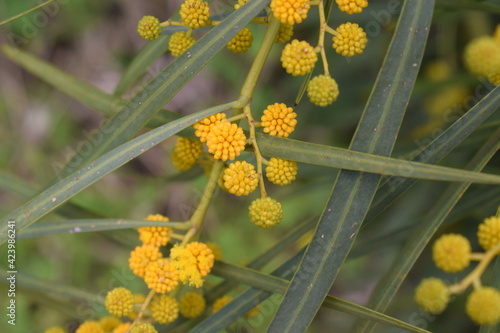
{"x": 352, "y": 6}
{"x": 438, "y": 70}
{"x": 221, "y": 302}
{"x": 350, "y": 39}
{"x": 55, "y": 329}
{"x": 281, "y": 172}
{"x": 186, "y": 153}
{"x": 432, "y": 295}
{"x": 90, "y": 327}
{"x": 483, "y": 306}
{"x": 322, "y": 90}
{"x": 225, "y": 140}
{"x": 481, "y": 55}
{"x": 451, "y": 253}
{"x": 192, "y": 304}
{"x": 240, "y": 178}
{"x": 119, "y": 302}
{"x": 285, "y": 33}
{"x": 143, "y": 328}
{"x": 488, "y": 233}
{"x": 195, "y": 13}
{"x": 161, "y": 276}
{"x": 109, "y": 323}
{"x": 140, "y": 258}
{"x": 290, "y": 11}
{"x": 193, "y": 262}
{"x": 155, "y": 236}
{"x": 164, "y": 309}
{"x": 240, "y": 3}
{"x": 278, "y": 120}
{"x": 216, "y": 250}
{"x": 123, "y": 328}
{"x": 149, "y": 27}
{"x": 203, "y": 126}
{"x": 241, "y": 42}
{"x": 179, "y": 42}
{"x": 265, "y": 212}
{"x": 298, "y": 57}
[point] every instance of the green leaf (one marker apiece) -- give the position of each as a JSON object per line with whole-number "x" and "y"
{"x": 353, "y": 191}
{"x": 468, "y": 4}
{"x": 66, "y": 188}
{"x": 83, "y": 92}
{"x": 152, "y": 51}
{"x": 90, "y": 225}
{"x": 163, "y": 87}
{"x": 352, "y": 160}
{"x": 495, "y": 282}
{"x": 394, "y": 277}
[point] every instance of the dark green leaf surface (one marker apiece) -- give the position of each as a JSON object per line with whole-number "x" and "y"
{"x": 66, "y": 188}
{"x": 353, "y": 191}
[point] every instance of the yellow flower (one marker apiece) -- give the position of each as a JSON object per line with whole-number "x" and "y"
{"x": 290, "y": 11}
{"x": 285, "y": 33}
{"x": 155, "y": 236}
{"x": 109, "y": 323}
{"x": 225, "y": 140}
{"x": 90, "y": 327}
{"x": 451, "y": 253}
{"x": 164, "y": 309}
{"x": 195, "y": 13}
{"x": 322, "y": 90}
{"x": 203, "y": 126}
{"x": 186, "y": 153}
{"x": 179, "y": 42}
{"x": 278, "y": 120}
{"x": 140, "y": 258}
{"x": 352, "y": 6}
{"x": 240, "y": 178}
{"x": 161, "y": 276}
{"x": 192, "y": 304}
{"x": 149, "y": 27}
{"x": 483, "y": 306}
{"x": 488, "y": 234}
{"x": 432, "y": 295}
{"x": 240, "y": 3}
{"x": 193, "y": 262}
{"x": 265, "y": 212}
{"x": 118, "y": 302}
{"x": 241, "y": 42}
{"x": 350, "y": 39}
{"x": 143, "y": 328}
{"x": 482, "y": 55}
{"x": 123, "y": 328}
{"x": 298, "y": 58}
{"x": 281, "y": 172}
{"x": 221, "y": 302}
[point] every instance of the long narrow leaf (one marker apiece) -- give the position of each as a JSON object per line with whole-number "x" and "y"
{"x": 354, "y": 191}
{"x": 65, "y": 189}
{"x": 392, "y": 280}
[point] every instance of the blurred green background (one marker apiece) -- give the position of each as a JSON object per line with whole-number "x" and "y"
{"x": 41, "y": 128}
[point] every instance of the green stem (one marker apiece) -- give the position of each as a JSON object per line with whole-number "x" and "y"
{"x": 258, "y": 155}
{"x": 144, "y": 306}
{"x": 268, "y": 41}
{"x": 321, "y": 39}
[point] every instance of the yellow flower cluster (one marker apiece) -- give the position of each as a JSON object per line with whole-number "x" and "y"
{"x": 192, "y": 304}
{"x": 140, "y": 258}
{"x": 90, "y": 327}
{"x": 350, "y": 39}
{"x": 143, "y": 328}
{"x": 161, "y": 276}
{"x": 123, "y": 328}
{"x": 298, "y": 57}
{"x": 482, "y": 55}
{"x": 109, "y": 323}
{"x": 322, "y": 90}
{"x": 451, "y": 253}
{"x": 164, "y": 309}
{"x": 203, "y": 126}
{"x": 281, "y": 172}
{"x": 195, "y": 14}
{"x": 265, "y": 212}
{"x": 432, "y": 295}
{"x": 186, "y": 153}
{"x": 149, "y": 27}
{"x": 483, "y": 306}
{"x": 352, "y": 6}
{"x": 179, "y": 42}
{"x": 488, "y": 234}
{"x": 155, "y": 236}
{"x": 241, "y": 42}
{"x": 290, "y": 11}
{"x": 285, "y": 33}
{"x": 119, "y": 302}
{"x": 240, "y": 3}
{"x": 240, "y": 178}
{"x": 278, "y": 120}
{"x": 192, "y": 262}
{"x": 225, "y": 140}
